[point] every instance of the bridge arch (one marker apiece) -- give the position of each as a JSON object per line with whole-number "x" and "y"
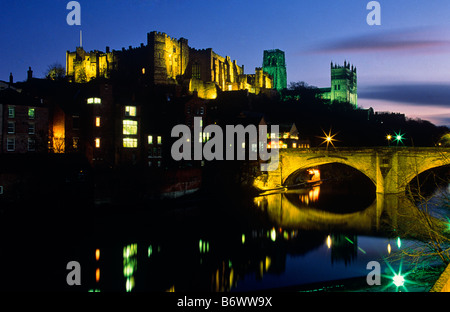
{"x": 288, "y": 180}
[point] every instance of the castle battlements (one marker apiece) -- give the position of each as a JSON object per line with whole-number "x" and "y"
{"x": 167, "y": 60}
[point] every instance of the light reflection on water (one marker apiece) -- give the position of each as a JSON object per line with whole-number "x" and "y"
{"x": 297, "y": 244}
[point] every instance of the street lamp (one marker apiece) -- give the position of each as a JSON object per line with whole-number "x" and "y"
{"x": 389, "y": 138}
{"x": 399, "y": 137}
{"x": 328, "y": 138}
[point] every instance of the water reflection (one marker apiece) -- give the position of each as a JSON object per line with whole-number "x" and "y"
{"x": 297, "y": 243}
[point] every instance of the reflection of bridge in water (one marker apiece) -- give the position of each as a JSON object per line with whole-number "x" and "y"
{"x": 389, "y": 168}
{"x": 386, "y": 215}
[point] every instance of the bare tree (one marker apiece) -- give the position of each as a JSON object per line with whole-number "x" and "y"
{"x": 55, "y": 71}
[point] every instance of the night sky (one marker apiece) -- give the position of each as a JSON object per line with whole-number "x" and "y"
{"x": 403, "y": 64}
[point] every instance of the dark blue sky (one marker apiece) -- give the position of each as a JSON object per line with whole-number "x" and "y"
{"x": 403, "y": 64}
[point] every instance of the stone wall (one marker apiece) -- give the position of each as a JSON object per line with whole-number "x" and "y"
{"x": 443, "y": 283}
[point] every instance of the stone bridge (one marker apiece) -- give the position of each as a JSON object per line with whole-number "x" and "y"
{"x": 389, "y": 168}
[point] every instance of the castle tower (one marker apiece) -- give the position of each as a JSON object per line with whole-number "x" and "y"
{"x": 274, "y": 64}
{"x": 344, "y": 83}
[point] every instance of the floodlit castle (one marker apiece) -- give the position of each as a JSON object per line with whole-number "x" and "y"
{"x": 168, "y": 61}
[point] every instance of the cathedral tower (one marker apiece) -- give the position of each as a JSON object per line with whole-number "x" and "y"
{"x": 344, "y": 83}
{"x": 274, "y": 64}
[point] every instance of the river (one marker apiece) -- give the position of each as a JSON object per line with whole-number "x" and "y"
{"x": 314, "y": 239}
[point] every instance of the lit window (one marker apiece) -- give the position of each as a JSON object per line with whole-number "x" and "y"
{"x": 31, "y": 113}
{"x": 129, "y": 142}
{"x": 94, "y": 100}
{"x": 97, "y": 121}
{"x": 11, "y": 111}
{"x": 143, "y": 70}
{"x": 159, "y": 140}
{"x": 150, "y": 139}
{"x": 130, "y": 111}
{"x": 10, "y": 144}
{"x": 75, "y": 141}
{"x": 97, "y": 142}
{"x": 130, "y": 127}
{"x": 294, "y": 145}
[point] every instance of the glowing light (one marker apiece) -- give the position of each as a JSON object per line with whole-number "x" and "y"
{"x": 398, "y": 280}
{"x": 97, "y": 142}
{"x": 243, "y": 239}
{"x": 149, "y": 251}
{"x": 329, "y": 241}
{"x": 328, "y": 138}
{"x": 97, "y": 275}
{"x": 399, "y": 242}
{"x": 273, "y": 235}
{"x": 97, "y": 254}
{"x": 399, "y": 137}
{"x": 389, "y": 248}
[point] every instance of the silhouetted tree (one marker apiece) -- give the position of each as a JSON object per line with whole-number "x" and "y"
{"x": 55, "y": 71}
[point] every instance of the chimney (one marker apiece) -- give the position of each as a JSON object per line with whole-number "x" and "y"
{"x": 29, "y": 73}
{"x": 107, "y": 49}
{"x": 10, "y": 79}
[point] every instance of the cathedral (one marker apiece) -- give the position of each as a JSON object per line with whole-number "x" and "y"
{"x": 343, "y": 85}
{"x": 170, "y": 61}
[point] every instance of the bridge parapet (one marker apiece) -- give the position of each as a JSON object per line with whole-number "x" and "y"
{"x": 389, "y": 168}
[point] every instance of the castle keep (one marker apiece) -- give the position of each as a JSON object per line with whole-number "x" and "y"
{"x": 168, "y": 61}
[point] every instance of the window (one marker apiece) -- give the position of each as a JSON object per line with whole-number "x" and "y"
{"x": 31, "y": 145}
{"x": 10, "y": 144}
{"x": 11, "y": 112}
{"x": 150, "y": 139}
{"x": 202, "y": 110}
{"x": 130, "y": 111}
{"x": 76, "y": 122}
{"x": 159, "y": 140}
{"x": 130, "y": 127}
{"x": 31, "y": 113}
{"x": 129, "y": 142}
{"x": 97, "y": 142}
{"x": 97, "y": 121}
{"x": 196, "y": 71}
{"x": 335, "y": 87}
{"x": 94, "y": 100}
{"x": 75, "y": 141}
{"x": 143, "y": 70}
{"x": 11, "y": 127}
{"x": 31, "y": 128}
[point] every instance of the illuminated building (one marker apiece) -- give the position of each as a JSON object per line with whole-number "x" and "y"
{"x": 168, "y": 61}
{"x": 343, "y": 85}
{"x": 274, "y": 64}
{"x": 288, "y": 137}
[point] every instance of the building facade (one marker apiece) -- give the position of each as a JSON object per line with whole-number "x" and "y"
{"x": 343, "y": 85}
{"x": 23, "y": 123}
{"x": 168, "y": 61}
{"x": 274, "y": 63}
